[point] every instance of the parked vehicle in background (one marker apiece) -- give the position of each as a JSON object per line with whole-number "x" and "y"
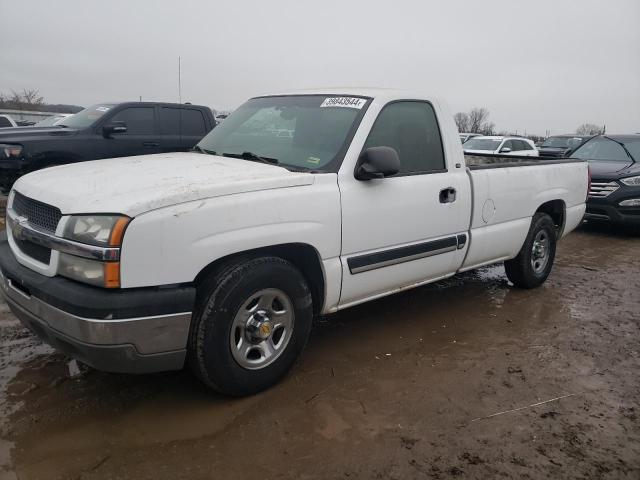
{"x": 561, "y": 145}
{"x": 466, "y": 136}
{"x": 498, "y": 145}
{"x": 223, "y": 255}
{"x": 6, "y": 121}
{"x": 52, "y": 120}
{"x": 106, "y": 130}
{"x": 614, "y": 195}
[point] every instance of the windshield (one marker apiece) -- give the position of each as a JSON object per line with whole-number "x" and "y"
{"x": 562, "y": 142}
{"x": 604, "y": 149}
{"x": 306, "y": 132}
{"x": 86, "y": 117}
{"x": 482, "y": 144}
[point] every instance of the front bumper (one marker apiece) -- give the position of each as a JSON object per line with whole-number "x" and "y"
{"x": 608, "y": 208}
{"x": 124, "y": 331}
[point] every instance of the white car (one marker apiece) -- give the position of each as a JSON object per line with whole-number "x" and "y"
{"x": 221, "y": 256}
{"x": 498, "y": 145}
{"x": 7, "y": 122}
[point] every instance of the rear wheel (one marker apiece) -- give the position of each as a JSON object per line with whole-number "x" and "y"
{"x": 253, "y": 322}
{"x": 531, "y": 267}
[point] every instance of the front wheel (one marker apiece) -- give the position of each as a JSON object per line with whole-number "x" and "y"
{"x": 531, "y": 267}
{"x": 254, "y": 321}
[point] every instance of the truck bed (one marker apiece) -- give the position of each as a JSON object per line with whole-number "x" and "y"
{"x": 478, "y": 161}
{"x": 506, "y": 192}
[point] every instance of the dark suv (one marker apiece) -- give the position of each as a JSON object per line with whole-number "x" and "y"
{"x": 615, "y": 178}
{"x": 561, "y": 145}
{"x": 103, "y": 131}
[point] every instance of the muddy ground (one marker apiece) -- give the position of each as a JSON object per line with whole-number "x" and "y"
{"x": 411, "y": 386}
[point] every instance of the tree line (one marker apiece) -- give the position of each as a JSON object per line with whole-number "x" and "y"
{"x": 30, "y": 99}
{"x": 477, "y": 121}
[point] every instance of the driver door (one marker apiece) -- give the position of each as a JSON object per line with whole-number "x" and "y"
{"x": 409, "y": 228}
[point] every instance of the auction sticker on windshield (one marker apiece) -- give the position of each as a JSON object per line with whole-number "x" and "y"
{"x": 348, "y": 102}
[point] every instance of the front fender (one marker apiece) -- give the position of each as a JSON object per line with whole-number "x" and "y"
{"x": 173, "y": 244}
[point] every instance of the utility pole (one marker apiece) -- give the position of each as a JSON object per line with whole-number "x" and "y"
{"x": 179, "y": 82}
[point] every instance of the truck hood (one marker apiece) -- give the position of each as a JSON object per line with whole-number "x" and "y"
{"x": 612, "y": 170}
{"x": 134, "y": 185}
{"x": 24, "y": 134}
{"x": 553, "y": 151}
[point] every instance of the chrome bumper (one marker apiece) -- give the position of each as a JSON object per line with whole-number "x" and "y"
{"x": 132, "y": 345}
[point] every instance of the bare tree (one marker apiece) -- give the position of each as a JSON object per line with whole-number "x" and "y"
{"x": 487, "y": 128}
{"x": 462, "y": 121}
{"x": 28, "y": 99}
{"x": 32, "y": 97}
{"x": 478, "y": 118}
{"x": 589, "y": 129}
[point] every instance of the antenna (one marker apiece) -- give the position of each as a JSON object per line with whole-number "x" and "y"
{"x": 179, "y": 83}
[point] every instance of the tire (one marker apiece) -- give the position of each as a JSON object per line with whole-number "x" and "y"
{"x": 533, "y": 264}
{"x": 253, "y": 322}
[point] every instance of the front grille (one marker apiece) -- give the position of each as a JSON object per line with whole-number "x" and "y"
{"x": 37, "y": 213}
{"x": 37, "y": 252}
{"x": 602, "y": 189}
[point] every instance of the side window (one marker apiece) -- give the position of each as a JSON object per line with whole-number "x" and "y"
{"x": 521, "y": 145}
{"x": 193, "y": 122}
{"x": 4, "y": 122}
{"x": 412, "y": 130}
{"x": 169, "y": 121}
{"x": 139, "y": 120}
{"x": 509, "y": 144}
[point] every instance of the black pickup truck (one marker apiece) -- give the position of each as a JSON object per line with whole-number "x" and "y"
{"x": 561, "y": 145}
{"x": 106, "y": 130}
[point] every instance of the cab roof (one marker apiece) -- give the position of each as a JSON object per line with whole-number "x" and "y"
{"x": 382, "y": 94}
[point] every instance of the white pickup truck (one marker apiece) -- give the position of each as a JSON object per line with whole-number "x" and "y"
{"x": 296, "y": 205}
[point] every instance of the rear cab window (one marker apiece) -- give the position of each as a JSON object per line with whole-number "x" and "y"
{"x": 193, "y": 123}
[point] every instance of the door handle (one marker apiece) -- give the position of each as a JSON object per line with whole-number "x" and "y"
{"x": 150, "y": 144}
{"x": 448, "y": 195}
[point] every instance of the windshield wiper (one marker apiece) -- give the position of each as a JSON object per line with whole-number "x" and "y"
{"x": 623, "y": 147}
{"x": 198, "y": 148}
{"x": 253, "y": 157}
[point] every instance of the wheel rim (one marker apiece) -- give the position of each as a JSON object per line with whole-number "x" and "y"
{"x": 540, "y": 251}
{"x": 261, "y": 328}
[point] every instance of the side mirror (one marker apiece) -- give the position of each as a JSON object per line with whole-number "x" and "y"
{"x": 505, "y": 150}
{"x": 114, "y": 127}
{"x": 377, "y": 162}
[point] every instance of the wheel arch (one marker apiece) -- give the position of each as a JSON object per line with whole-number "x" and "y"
{"x": 304, "y": 256}
{"x": 556, "y": 209}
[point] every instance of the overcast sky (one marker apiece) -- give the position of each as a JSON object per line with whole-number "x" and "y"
{"x": 536, "y": 65}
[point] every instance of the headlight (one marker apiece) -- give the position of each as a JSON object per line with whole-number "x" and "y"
{"x": 97, "y": 230}
{"x": 631, "y": 181}
{"x": 100, "y": 230}
{"x": 10, "y": 151}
